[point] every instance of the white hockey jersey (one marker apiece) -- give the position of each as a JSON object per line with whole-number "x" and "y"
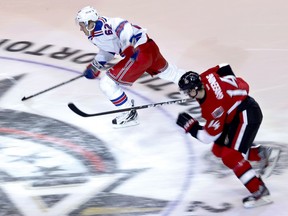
{"x": 114, "y": 35}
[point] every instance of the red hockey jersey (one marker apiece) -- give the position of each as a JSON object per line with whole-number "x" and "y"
{"x": 224, "y": 93}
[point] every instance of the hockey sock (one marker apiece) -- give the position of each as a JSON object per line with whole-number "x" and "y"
{"x": 121, "y": 100}
{"x": 253, "y": 154}
{"x": 242, "y": 169}
{"x": 217, "y": 150}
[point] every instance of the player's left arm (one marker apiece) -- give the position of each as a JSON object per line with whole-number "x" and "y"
{"x": 124, "y": 31}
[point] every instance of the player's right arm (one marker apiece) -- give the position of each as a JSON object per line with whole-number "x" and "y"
{"x": 206, "y": 134}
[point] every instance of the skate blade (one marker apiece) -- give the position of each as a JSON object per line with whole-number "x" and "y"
{"x": 127, "y": 124}
{"x": 266, "y": 200}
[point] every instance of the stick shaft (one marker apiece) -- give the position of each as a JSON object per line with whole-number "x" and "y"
{"x": 53, "y": 87}
{"x": 75, "y": 109}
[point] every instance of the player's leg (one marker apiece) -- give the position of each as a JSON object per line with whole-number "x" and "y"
{"x": 171, "y": 73}
{"x": 247, "y": 175}
{"x": 233, "y": 158}
{"x": 126, "y": 72}
{"x": 160, "y": 66}
{"x": 241, "y": 135}
{"x": 266, "y": 157}
{"x": 119, "y": 98}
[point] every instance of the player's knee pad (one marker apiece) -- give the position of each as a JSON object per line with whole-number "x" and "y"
{"x": 231, "y": 157}
{"x": 110, "y": 88}
{"x": 172, "y": 73}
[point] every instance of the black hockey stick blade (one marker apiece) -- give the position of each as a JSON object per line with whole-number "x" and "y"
{"x": 24, "y": 98}
{"x": 76, "y": 110}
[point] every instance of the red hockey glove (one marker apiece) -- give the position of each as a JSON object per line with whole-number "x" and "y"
{"x": 187, "y": 122}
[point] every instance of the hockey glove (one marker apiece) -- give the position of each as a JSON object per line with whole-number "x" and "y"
{"x": 189, "y": 124}
{"x": 93, "y": 70}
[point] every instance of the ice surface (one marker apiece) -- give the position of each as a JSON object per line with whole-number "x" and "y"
{"x": 150, "y": 169}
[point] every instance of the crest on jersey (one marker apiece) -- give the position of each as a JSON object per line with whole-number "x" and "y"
{"x": 214, "y": 124}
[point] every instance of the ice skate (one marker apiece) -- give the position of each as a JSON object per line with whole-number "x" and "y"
{"x": 259, "y": 198}
{"x": 269, "y": 158}
{"x": 126, "y": 119}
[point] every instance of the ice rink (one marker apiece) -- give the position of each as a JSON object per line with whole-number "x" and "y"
{"x": 56, "y": 163}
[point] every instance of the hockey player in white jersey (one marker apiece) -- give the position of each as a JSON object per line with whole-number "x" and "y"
{"x": 117, "y": 36}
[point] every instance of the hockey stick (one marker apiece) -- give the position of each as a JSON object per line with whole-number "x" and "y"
{"x": 83, "y": 114}
{"x": 56, "y": 86}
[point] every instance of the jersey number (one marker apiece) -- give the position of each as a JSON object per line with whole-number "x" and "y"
{"x": 230, "y": 79}
{"x": 108, "y": 29}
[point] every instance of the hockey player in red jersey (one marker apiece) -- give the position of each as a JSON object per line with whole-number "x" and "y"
{"x": 117, "y": 36}
{"x": 232, "y": 119}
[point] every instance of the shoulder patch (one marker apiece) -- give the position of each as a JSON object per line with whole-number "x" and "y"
{"x": 218, "y": 112}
